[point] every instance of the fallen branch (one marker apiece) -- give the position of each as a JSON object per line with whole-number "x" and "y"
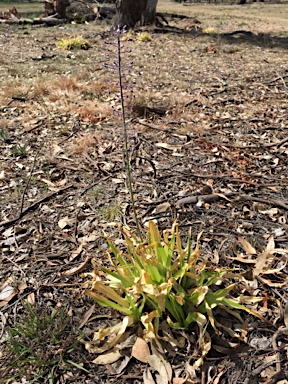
{"x": 276, "y": 202}
{"x": 33, "y": 206}
{"x": 49, "y": 21}
{"x": 239, "y": 32}
{"x": 205, "y": 198}
{"x": 216, "y": 197}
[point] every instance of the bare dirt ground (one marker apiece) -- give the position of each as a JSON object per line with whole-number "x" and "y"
{"x": 208, "y": 121}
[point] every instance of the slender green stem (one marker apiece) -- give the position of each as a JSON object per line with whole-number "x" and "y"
{"x": 126, "y": 149}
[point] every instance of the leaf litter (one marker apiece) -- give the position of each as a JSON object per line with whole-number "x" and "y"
{"x": 224, "y": 128}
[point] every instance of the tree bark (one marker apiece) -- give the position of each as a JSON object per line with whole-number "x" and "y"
{"x": 149, "y": 15}
{"x": 61, "y": 6}
{"x": 130, "y": 12}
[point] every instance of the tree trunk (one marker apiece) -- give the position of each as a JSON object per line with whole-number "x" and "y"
{"x": 61, "y": 6}
{"x": 130, "y": 12}
{"x": 149, "y": 14}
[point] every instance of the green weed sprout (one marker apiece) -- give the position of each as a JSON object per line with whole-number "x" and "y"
{"x": 19, "y": 150}
{"x": 3, "y": 134}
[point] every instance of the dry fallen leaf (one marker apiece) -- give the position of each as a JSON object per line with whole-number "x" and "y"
{"x": 179, "y": 380}
{"x": 168, "y": 146}
{"x": 263, "y": 257}
{"x": 88, "y": 238}
{"x": 147, "y": 377}
{"x": 157, "y": 364}
{"x": 62, "y": 223}
{"x": 162, "y": 207}
{"x": 107, "y": 358}
{"x": 6, "y": 295}
{"x": 140, "y": 350}
{"x": 79, "y": 268}
{"x": 6, "y": 292}
{"x": 76, "y": 252}
{"x": 56, "y": 150}
{"x": 48, "y": 182}
{"x": 31, "y": 298}
{"x": 87, "y": 316}
{"x": 248, "y": 248}
{"x": 118, "y": 329}
{"x": 120, "y": 364}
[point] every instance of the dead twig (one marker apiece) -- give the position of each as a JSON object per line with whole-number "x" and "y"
{"x": 258, "y": 370}
{"x": 15, "y": 265}
{"x": 151, "y": 126}
{"x": 268, "y": 145}
{"x": 28, "y": 182}
{"x": 93, "y": 185}
{"x": 76, "y": 128}
{"x": 274, "y": 344}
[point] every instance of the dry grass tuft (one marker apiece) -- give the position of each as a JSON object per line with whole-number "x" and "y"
{"x": 94, "y": 111}
{"x": 144, "y": 36}
{"x": 82, "y": 144}
{"x": 74, "y": 43}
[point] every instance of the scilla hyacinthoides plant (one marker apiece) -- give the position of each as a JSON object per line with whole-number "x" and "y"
{"x": 156, "y": 283}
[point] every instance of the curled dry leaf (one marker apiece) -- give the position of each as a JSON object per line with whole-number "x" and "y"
{"x": 116, "y": 331}
{"x": 120, "y": 364}
{"x": 108, "y": 358}
{"x": 157, "y": 364}
{"x": 263, "y": 257}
